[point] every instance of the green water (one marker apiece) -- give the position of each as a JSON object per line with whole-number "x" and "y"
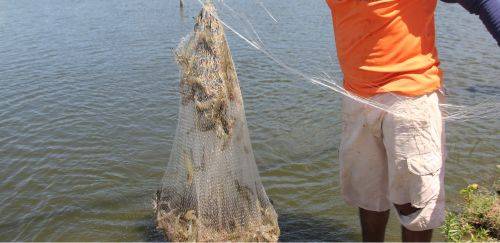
{"x": 89, "y": 107}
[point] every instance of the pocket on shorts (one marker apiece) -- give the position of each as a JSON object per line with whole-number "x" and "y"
{"x": 424, "y": 181}
{"x": 425, "y": 164}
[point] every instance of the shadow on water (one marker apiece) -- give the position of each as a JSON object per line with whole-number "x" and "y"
{"x": 303, "y": 227}
{"x": 484, "y": 89}
{"x": 151, "y": 234}
{"x": 294, "y": 227}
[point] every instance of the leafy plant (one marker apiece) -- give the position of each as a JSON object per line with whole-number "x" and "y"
{"x": 478, "y": 220}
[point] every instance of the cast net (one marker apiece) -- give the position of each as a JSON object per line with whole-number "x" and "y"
{"x": 211, "y": 190}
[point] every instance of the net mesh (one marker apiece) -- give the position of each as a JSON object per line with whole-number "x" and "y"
{"x": 240, "y": 18}
{"x": 211, "y": 190}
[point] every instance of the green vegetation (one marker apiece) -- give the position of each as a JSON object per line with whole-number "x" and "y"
{"x": 478, "y": 220}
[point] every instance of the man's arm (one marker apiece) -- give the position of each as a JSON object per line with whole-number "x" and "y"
{"x": 488, "y": 11}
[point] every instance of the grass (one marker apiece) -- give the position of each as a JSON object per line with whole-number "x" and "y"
{"x": 478, "y": 219}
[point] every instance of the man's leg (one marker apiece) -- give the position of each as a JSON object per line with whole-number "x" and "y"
{"x": 373, "y": 224}
{"x": 363, "y": 168}
{"x": 408, "y": 235}
{"x": 416, "y": 236}
{"x": 415, "y": 150}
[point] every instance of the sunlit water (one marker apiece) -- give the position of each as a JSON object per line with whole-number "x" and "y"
{"x": 89, "y": 102}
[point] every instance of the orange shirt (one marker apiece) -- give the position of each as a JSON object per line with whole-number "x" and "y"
{"x": 387, "y": 46}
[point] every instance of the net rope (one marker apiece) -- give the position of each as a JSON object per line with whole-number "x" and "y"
{"x": 245, "y": 30}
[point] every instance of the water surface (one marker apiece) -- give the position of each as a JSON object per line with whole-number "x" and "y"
{"x": 89, "y": 108}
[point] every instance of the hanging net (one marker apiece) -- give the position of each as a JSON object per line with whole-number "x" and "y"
{"x": 211, "y": 190}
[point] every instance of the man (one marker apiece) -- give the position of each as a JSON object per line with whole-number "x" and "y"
{"x": 386, "y": 49}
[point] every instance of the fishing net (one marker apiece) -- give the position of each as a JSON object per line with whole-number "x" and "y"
{"x": 255, "y": 24}
{"x": 211, "y": 190}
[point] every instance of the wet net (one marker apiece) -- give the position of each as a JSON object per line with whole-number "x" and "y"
{"x": 211, "y": 190}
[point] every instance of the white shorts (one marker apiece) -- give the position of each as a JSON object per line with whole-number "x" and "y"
{"x": 395, "y": 157}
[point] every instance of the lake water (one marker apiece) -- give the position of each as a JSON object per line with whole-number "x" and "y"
{"x": 89, "y": 105}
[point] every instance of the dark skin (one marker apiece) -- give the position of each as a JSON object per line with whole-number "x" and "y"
{"x": 373, "y": 225}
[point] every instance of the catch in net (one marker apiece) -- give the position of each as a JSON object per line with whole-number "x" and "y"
{"x": 211, "y": 190}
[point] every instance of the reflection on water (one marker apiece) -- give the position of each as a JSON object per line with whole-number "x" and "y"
{"x": 89, "y": 107}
